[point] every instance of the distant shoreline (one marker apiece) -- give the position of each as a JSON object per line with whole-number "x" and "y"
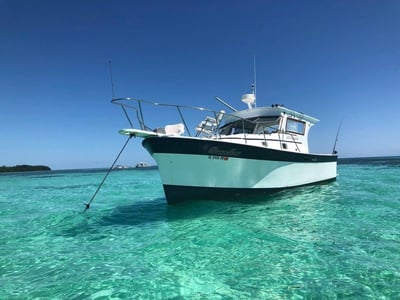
{"x": 377, "y": 160}
{"x": 24, "y": 168}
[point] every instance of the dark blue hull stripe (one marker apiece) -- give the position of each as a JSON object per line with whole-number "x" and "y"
{"x": 176, "y": 193}
{"x": 179, "y": 145}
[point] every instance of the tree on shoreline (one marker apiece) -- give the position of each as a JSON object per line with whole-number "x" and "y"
{"x": 24, "y": 168}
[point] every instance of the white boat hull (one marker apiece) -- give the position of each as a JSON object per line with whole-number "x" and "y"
{"x": 204, "y": 169}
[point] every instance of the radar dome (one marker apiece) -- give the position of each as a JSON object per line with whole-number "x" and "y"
{"x": 249, "y": 99}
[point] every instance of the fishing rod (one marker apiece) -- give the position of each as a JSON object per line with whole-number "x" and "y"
{"x": 254, "y": 87}
{"x": 337, "y": 136}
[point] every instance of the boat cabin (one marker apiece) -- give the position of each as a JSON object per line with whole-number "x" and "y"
{"x": 274, "y": 127}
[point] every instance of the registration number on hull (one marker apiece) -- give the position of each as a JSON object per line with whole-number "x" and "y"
{"x": 218, "y": 157}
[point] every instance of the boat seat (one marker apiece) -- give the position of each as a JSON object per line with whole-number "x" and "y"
{"x": 174, "y": 129}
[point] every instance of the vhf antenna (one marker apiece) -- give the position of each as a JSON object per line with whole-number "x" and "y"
{"x": 113, "y": 94}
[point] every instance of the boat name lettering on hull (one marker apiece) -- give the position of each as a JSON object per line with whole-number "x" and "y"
{"x": 215, "y": 151}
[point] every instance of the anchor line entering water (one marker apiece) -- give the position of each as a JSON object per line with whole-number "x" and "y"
{"x": 87, "y": 205}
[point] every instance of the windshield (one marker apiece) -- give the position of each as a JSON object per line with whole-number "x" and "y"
{"x": 255, "y": 125}
{"x": 267, "y": 125}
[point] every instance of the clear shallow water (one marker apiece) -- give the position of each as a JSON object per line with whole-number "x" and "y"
{"x": 340, "y": 240}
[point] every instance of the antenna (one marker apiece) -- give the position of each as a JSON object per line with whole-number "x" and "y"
{"x": 250, "y": 99}
{"x": 112, "y": 81}
{"x": 113, "y": 94}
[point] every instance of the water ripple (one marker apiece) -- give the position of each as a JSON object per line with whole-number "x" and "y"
{"x": 339, "y": 240}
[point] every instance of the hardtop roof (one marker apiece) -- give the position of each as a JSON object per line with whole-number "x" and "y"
{"x": 267, "y": 112}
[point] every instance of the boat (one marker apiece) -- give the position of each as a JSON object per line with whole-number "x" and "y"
{"x": 141, "y": 165}
{"x": 229, "y": 155}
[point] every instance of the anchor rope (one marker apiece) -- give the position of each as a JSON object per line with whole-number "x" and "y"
{"x": 87, "y": 205}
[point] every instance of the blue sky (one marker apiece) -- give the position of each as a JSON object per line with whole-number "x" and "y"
{"x": 333, "y": 60}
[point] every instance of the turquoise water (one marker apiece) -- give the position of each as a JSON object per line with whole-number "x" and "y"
{"x": 339, "y": 240}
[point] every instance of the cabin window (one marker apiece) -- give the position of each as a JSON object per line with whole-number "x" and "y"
{"x": 225, "y": 130}
{"x": 267, "y": 125}
{"x": 295, "y": 126}
{"x": 238, "y": 127}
